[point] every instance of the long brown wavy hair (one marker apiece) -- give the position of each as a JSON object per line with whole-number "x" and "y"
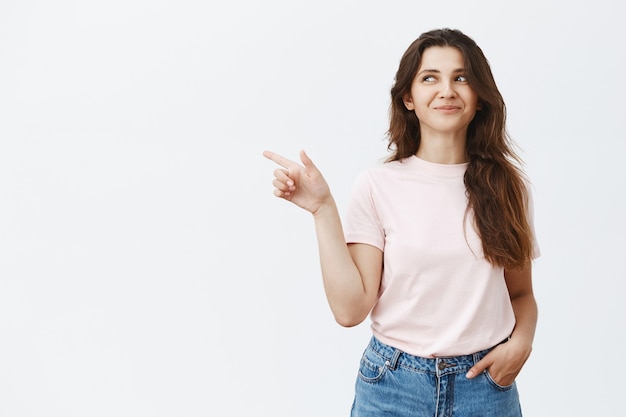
{"x": 494, "y": 181}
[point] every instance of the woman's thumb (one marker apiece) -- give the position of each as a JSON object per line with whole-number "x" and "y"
{"x": 306, "y": 161}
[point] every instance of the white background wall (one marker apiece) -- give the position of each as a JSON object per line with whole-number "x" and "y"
{"x": 146, "y": 268}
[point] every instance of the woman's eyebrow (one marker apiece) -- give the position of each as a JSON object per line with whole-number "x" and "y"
{"x": 458, "y": 70}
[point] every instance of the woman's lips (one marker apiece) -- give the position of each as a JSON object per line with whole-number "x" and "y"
{"x": 448, "y": 109}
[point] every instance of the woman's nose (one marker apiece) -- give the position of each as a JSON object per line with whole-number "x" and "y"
{"x": 447, "y": 91}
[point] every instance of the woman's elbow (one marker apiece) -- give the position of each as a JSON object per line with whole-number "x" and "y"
{"x": 349, "y": 319}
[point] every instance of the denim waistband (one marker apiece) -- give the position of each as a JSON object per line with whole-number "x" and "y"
{"x": 440, "y": 366}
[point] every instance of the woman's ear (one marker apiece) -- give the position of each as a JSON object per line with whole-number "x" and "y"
{"x": 408, "y": 102}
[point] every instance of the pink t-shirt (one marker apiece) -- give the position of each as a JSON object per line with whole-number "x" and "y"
{"x": 438, "y": 295}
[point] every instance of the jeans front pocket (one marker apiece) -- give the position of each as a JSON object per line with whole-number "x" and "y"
{"x": 372, "y": 367}
{"x": 495, "y": 384}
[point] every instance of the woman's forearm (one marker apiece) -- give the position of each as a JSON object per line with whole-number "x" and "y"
{"x": 526, "y": 314}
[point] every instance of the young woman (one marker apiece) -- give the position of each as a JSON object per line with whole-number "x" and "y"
{"x": 436, "y": 245}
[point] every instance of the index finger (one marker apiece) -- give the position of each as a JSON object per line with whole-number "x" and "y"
{"x": 280, "y": 160}
{"x": 480, "y": 366}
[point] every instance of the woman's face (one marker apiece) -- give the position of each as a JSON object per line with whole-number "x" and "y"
{"x": 441, "y": 96}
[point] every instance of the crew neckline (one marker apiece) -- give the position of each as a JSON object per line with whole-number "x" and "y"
{"x": 434, "y": 168}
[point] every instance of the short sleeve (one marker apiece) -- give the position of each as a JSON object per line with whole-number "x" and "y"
{"x": 362, "y": 222}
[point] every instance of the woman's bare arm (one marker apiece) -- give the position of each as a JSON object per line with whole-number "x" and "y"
{"x": 505, "y": 361}
{"x": 351, "y": 273}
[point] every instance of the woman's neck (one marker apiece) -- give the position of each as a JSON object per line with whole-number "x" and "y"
{"x": 442, "y": 149}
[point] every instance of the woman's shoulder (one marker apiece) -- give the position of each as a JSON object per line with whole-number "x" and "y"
{"x": 381, "y": 174}
{"x": 380, "y": 170}
{"x": 385, "y": 167}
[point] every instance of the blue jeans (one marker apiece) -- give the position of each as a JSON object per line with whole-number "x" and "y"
{"x": 393, "y": 383}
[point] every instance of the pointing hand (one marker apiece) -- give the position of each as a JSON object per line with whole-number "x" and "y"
{"x": 303, "y": 184}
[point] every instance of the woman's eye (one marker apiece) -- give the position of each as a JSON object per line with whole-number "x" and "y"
{"x": 428, "y": 78}
{"x": 462, "y": 78}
